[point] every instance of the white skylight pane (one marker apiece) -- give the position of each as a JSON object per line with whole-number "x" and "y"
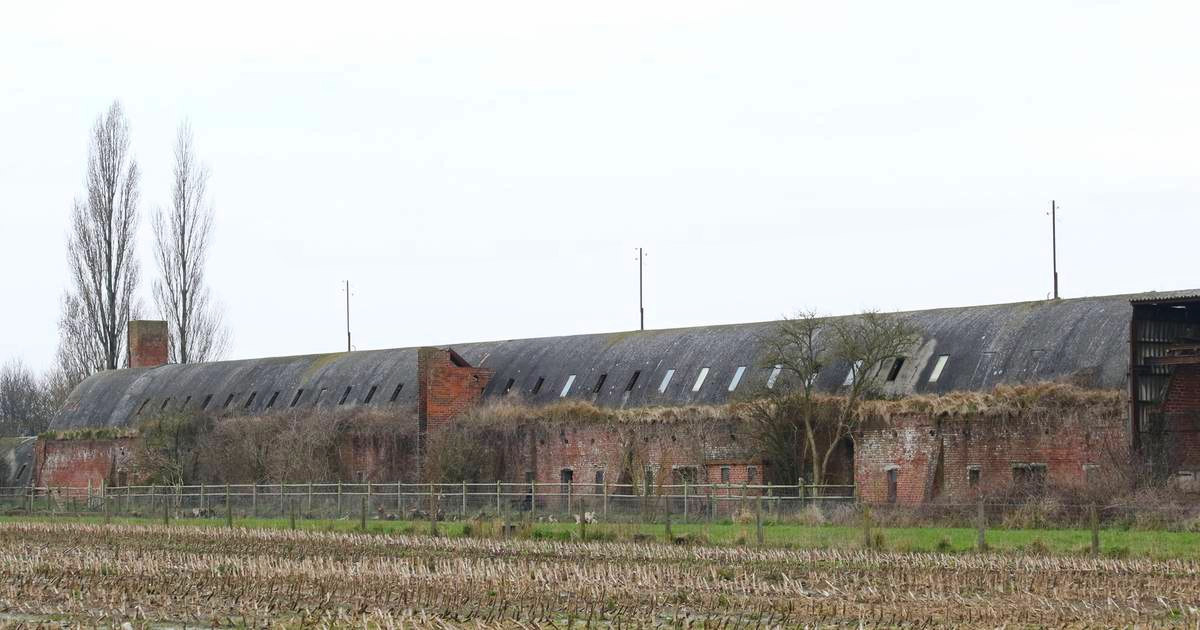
{"x": 850, "y": 375}
{"x": 567, "y": 387}
{"x": 737, "y": 377}
{"x": 774, "y": 375}
{"x": 666, "y": 381}
{"x": 938, "y": 367}
{"x": 700, "y": 379}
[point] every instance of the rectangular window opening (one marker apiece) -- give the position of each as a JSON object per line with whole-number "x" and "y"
{"x": 938, "y": 367}
{"x": 207, "y": 399}
{"x": 250, "y": 400}
{"x": 271, "y": 401}
{"x": 599, "y": 482}
{"x": 509, "y": 386}
{"x": 774, "y": 376}
{"x": 893, "y": 477}
{"x": 345, "y": 395}
{"x": 537, "y": 387}
{"x": 662, "y": 387}
{"x": 370, "y": 394}
{"x": 396, "y": 392}
{"x": 296, "y": 398}
{"x": 973, "y": 476}
{"x": 700, "y": 380}
{"x": 567, "y": 387}
{"x": 737, "y": 377}
{"x": 894, "y": 372}
{"x": 724, "y": 474}
{"x": 633, "y": 380}
{"x": 599, "y": 384}
{"x": 752, "y": 474}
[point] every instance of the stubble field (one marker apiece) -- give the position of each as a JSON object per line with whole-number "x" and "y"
{"x": 190, "y": 576}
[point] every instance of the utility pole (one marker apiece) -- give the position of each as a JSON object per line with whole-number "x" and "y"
{"x": 1054, "y": 242}
{"x": 641, "y": 303}
{"x": 347, "y": 316}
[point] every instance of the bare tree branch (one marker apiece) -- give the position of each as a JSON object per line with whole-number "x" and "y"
{"x": 100, "y": 250}
{"x": 181, "y": 239}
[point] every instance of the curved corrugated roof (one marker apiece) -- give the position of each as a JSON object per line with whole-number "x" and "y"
{"x": 1083, "y": 339}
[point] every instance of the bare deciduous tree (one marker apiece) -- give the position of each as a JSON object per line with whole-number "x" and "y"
{"x": 100, "y": 246}
{"x": 181, "y": 239}
{"x": 25, "y": 405}
{"x": 805, "y": 345}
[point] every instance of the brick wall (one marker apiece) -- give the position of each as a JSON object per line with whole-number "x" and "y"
{"x": 448, "y": 386}
{"x": 933, "y": 458}
{"x": 75, "y": 463}
{"x": 147, "y": 343}
{"x": 1182, "y": 415}
{"x": 378, "y": 459}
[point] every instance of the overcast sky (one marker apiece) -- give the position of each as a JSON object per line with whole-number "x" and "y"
{"x": 485, "y": 170}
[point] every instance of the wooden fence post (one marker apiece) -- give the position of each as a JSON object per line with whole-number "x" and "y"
{"x": 499, "y": 513}
{"x": 166, "y": 510}
{"x": 432, "y": 512}
{"x": 254, "y": 500}
{"x": 533, "y": 501}
{"x": 866, "y": 526}
{"x": 605, "y": 500}
{"x": 338, "y": 514}
{"x": 981, "y": 536}
{"x": 464, "y": 499}
{"x": 758, "y": 526}
{"x": 370, "y": 493}
{"x": 1094, "y": 517}
{"x": 362, "y": 524}
{"x": 685, "y": 501}
{"x": 308, "y": 500}
{"x": 202, "y": 502}
{"x": 292, "y": 512}
{"x": 228, "y": 509}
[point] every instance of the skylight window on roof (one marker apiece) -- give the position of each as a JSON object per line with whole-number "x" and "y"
{"x": 894, "y": 372}
{"x": 185, "y": 402}
{"x": 250, "y": 400}
{"x": 737, "y": 377}
{"x": 700, "y": 380}
{"x": 271, "y": 402}
{"x": 537, "y": 387}
{"x": 320, "y": 395}
{"x": 850, "y": 375}
{"x": 370, "y": 394}
{"x": 567, "y": 388}
{"x": 296, "y": 398}
{"x": 143, "y": 407}
{"x": 599, "y": 383}
{"x": 229, "y": 401}
{"x": 396, "y": 393}
{"x": 345, "y": 394}
{"x": 938, "y": 367}
{"x": 662, "y": 387}
{"x": 633, "y": 380}
{"x": 509, "y": 386}
{"x": 774, "y": 376}
{"x": 166, "y": 402}
{"x": 207, "y": 399}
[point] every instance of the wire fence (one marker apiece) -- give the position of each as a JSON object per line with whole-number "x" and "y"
{"x": 541, "y": 502}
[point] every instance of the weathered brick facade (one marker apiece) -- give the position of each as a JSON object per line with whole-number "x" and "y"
{"x": 1182, "y": 414}
{"x": 913, "y": 459}
{"x": 76, "y": 463}
{"x": 449, "y": 385}
{"x": 147, "y": 343}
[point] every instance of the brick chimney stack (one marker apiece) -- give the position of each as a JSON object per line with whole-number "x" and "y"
{"x": 147, "y": 343}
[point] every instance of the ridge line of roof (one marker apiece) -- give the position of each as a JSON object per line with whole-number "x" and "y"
{"x": 1130, "y": 297}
